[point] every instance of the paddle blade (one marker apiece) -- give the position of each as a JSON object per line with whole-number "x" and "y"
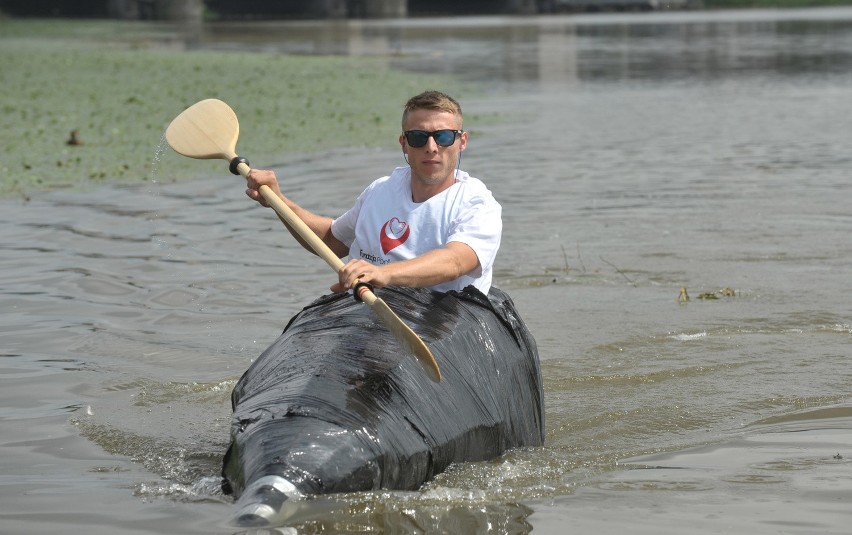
{"x": 407, "y": 337}
{"x": 207, "y": 129}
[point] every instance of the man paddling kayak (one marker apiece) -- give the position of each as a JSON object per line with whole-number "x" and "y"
{"x": 426, "y": 225}
{"x": 333, "y": 405}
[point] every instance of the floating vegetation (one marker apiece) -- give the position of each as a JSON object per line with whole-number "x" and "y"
{"x": 93, "y": 79}
{"x": 683, "y": 296}
{"x": 724, "y": 292}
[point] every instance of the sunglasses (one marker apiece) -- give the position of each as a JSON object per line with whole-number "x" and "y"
{"x": 418, "y": 138}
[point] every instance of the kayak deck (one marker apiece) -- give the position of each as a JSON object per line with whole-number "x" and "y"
{"x": 336, "y": 404}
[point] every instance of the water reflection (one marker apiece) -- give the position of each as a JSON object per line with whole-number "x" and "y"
{"x": 565, "y": 50}
{"x": 408, "y": 513}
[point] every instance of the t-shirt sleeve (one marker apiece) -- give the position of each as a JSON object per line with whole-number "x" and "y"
{"x": 480, "y": 226}
{"x": 343, "y": 228}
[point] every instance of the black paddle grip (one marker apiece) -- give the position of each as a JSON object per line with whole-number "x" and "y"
{"x": 235, "y": 162}
{"x": 356, "y": 290}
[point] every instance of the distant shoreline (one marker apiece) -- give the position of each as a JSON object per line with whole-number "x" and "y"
{"x": 772, "y": 4}
{"x": 692, "y": 5}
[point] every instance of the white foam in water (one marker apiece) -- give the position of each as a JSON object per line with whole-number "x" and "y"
{"x": 687, "y": 337}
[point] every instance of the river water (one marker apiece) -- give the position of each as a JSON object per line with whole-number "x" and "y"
{"x": 634, "y": 155}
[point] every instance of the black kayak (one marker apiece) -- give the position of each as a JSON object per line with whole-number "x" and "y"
{"x": 337, "y": 405}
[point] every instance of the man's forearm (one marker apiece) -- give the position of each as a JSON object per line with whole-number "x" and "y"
{"x": 320, "y": 225}
{"x": 435, "y": 267}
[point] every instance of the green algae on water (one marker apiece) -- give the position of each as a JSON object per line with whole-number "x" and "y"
{"x": 118, "y": 85}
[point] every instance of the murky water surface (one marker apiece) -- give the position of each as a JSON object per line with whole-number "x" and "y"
{"x": 634, "y": 156}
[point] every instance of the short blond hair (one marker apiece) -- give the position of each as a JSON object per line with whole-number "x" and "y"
{"x": 432, "y": 100}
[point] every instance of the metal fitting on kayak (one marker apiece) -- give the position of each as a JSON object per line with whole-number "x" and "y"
{"x": 264, "y": 501}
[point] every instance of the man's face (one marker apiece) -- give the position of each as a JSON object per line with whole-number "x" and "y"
{"x": 431, "y": 164}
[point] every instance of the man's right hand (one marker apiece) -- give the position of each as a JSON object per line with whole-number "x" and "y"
{"x": 261, "y": 177}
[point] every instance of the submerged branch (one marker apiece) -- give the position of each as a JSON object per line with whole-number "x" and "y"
{"x": 617, "y": 270}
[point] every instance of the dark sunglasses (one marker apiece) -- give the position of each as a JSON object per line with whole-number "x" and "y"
{"x": 418, "y": 138}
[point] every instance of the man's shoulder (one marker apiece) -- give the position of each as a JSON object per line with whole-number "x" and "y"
{"x": 399, "y": 175}
{"x": 474, "y": 187}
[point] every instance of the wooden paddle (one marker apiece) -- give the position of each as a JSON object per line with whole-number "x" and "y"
{"x": 209, "y": 129}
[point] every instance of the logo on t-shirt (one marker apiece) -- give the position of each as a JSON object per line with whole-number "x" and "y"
{"x": 394, "y": 233}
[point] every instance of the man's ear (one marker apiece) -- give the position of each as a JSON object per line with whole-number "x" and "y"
{"x": 402, "y": 145}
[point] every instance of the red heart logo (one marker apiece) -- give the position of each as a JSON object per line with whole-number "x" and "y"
{"x": 394, "y": 233}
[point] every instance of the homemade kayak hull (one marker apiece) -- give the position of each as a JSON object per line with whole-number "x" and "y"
{"x": 337, "y": 405}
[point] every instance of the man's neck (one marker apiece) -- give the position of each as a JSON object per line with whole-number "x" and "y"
{"x": 421, "y": 192}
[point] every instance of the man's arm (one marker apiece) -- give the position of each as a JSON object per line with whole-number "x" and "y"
{"x": 320, "y": 225}
{"x": 430, "y": 269}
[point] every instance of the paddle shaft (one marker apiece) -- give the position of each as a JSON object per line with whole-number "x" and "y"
{"x": 209, "y": 129}
{"x": 295, "y": 222}
{"x": 304, "y": 231}
{"x": 399, "y": 329}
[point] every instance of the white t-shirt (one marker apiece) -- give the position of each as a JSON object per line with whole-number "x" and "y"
{"x": 386, "y": 225}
